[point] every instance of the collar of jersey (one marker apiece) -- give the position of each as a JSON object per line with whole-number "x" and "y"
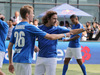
{"x": 25, "y": 22}
{"x": 48, "y": 27}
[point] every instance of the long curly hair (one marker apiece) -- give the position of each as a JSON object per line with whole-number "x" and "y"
{"x": 47, "y": 16}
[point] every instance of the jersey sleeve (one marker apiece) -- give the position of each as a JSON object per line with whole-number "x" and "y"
{"x": 63, "y": 30}
{"x": 3, "y": 24}
{"x": 36, "y": 31}
{"x": 12, "y": 40}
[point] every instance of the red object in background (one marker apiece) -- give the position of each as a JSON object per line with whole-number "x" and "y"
{"x": 64, "y": 12}
{"x": 86, "y": 55}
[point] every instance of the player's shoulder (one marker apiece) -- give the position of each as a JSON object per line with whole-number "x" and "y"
{"x": 80, "y": 25}
{"x": 5, "y": 23}
{"x": 30, "y": 26}
{"x": 63, "y": 27}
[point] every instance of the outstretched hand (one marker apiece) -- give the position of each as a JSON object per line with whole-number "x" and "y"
{"x": 65, "y": 40}
{"x": 68, "y": 34}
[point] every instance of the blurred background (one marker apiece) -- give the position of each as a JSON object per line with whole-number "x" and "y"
{"x": 90, "y": 38}
{"x": 90, "y": 6}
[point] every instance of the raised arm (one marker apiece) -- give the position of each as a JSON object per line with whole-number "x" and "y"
{"x": 2, "y": 23}
{"x": 71, "y": 39}
{"x": 77, "y": 31}
{"x": 41, "y": 33}
{"x": 56, "y": 36}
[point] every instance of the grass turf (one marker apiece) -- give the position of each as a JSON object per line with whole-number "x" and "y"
{"x": 74, "y": 69}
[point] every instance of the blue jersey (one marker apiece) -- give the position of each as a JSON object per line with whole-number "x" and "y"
{"x": 48, "y": 48}
{"x": 23, "y": 36}
{"x": 3, "y": 34}
{"x": 76, "y": 43}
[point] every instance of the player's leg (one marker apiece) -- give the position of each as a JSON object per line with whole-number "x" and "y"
{"x": 2, "y": 54}
{"x": 68, "y": 56}
{"x": 79, "y": 61}
{"x": 78, "y": 56}
{"x": 65, "y": 67}
{"x": 39, "y": 68}
{"x": 50, "y": 64}
{"x": 22, "y": 69}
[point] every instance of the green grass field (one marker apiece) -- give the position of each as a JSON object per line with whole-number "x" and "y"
{"x": 74, "y": 69}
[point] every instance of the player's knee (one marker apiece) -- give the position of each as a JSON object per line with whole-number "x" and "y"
{"x": 66, "y": 61}
{"x": 79, "y": 61}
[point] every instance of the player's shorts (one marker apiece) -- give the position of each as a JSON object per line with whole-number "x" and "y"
{"x": 73, "y": 52}
{"x": 2, "y": 55}
{"x": 22, "y": 69}
{"x": 47, "y": 65}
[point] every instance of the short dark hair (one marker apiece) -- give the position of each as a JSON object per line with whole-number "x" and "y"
{"x": 67, "y": 22}
{"x": 73, "y": 16}
{"x": 61, "y": 23}
{"x": 11, "y": 20}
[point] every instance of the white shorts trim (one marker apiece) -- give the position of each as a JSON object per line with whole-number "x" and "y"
{"x": 2, "y": 55}
{"x": 47, "y": 65}
{"x": 73, "y": 52}
{"x": 22, "y": 69}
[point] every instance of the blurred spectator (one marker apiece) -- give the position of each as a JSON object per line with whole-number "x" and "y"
{"x": 35, "y": 22}
{"x": 31, "y": 23}
{"x": 89, "y": 30}
{"x": 67, "y": 25}
{"x": 95, "y": 32}
{"x": 7, "y": 22}
{"x": 97, "y": 36}
{"x": 84, "y": 34}
{"x": 99, "y": 26}
{"x": 16, "y": 19}
{"x": 61, "y": 23}
{"x": 10, "y": 23}
{"x": 88, "y": 25}
{"x": 95, "y": 29}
